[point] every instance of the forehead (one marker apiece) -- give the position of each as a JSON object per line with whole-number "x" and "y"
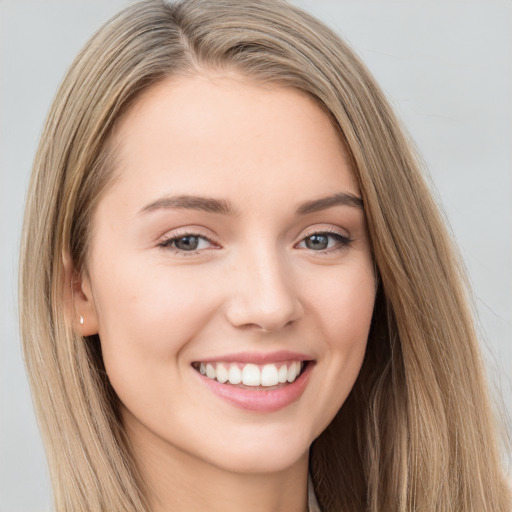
{"x": 218, "y": 135}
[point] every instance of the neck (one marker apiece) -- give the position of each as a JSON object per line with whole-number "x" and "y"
{"x": 176, "y": 480}
{"x": 218, "y": 491}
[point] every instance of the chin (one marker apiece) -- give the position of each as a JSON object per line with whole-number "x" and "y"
{"x": 262, "y": 455}
{"x": 262, "y": 463}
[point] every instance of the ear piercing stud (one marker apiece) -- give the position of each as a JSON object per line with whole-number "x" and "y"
{"x": 81, "y": 320}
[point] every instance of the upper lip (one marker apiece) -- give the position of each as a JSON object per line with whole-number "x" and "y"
{"x": 258, "y": 357}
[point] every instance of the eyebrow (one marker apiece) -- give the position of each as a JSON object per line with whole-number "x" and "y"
{"x": 223, "y": 207}
{"x": 340, "y": 199}
{"x": 206, "y": 204}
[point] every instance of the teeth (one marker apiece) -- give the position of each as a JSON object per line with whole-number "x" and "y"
{"x": 293, "y": 371}
{"x": 221, "y": 373}
{"x": 269, "y": 375}
{"x": 251, "y": 374}
{"x": 235, "y": 374}
{"x": 290, "y": 377}
{"x": 210, "y": 371}
{"x": 282, "y": 374}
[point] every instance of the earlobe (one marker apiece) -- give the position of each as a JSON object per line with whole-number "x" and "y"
{"x": 78, "y": 299}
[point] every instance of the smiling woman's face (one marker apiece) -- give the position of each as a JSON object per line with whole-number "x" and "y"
{"x": 232, "y": 243}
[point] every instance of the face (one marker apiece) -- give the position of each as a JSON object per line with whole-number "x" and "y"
{"x": 230, "y": 276}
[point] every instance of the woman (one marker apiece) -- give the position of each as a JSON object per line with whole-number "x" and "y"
{"x": 241, "y": 278}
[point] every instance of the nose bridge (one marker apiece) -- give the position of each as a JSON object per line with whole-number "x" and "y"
{"x": 263, "y": 291}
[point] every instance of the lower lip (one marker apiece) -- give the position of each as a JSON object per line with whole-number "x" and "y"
{"x": 260, "y": 399}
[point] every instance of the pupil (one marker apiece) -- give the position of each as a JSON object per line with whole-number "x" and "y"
{"x": 187, "y": 243}
{"x": 317, "y": 242}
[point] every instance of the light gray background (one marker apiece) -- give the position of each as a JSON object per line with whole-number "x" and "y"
{"x": 446, "y": 66}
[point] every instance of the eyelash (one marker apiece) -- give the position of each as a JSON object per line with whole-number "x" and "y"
{"x": 167, "y": 243}
{"x": 343, "y": 242}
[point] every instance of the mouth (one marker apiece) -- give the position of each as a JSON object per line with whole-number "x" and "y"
{"x": 250, "y": 375}
{"x": 257, "y": 383}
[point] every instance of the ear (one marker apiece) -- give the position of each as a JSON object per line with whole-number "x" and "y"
{"x": 78, "y": 299}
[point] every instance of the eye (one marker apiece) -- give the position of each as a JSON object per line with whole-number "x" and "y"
{"x": 189, "y": 242}
{"x": 325, "y": 241}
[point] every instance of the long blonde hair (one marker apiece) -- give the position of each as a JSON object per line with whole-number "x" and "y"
{"x": 417, "y": 431}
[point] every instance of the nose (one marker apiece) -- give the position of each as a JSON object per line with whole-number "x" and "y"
{"x": 262, "y": 293}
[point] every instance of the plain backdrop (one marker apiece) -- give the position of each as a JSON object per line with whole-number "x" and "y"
{"x": 445, "y": 66}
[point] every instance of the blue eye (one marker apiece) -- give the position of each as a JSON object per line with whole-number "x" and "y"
{"x": 186, "y": 243}
{"x": 318, "y": 242}
{"x": 325, "y": 241}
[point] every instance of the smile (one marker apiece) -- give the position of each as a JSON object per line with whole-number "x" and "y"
{"x": 261, "y": 383}
{"x": 250, "y": 374}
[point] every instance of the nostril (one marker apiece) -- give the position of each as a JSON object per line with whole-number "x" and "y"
{"x": 248, "y": 315}
{"x": 264, "y": 295}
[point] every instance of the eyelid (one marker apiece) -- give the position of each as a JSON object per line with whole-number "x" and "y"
{"x": 342, "y": 237}
{"x": 164, "y": 241}
{"x": 327, "y": 229}
{"x": 336, "y": 232}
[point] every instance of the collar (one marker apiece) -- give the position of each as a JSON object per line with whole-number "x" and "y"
{"x": 312, "y": 501}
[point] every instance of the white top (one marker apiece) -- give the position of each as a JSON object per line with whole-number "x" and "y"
{"x": 312, "y": 502}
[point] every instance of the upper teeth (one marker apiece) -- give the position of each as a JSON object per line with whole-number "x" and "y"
{"x": 252, "y": 374}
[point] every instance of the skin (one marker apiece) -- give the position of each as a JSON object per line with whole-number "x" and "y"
{"x": 256, "y": 287}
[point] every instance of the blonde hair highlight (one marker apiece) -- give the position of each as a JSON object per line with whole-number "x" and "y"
{"x": 417, "y": 431}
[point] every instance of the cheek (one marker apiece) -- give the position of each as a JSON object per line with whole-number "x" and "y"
{"x": 149, "y": 316}
{"x": 345, "y": 304}
{"x": 345, "y": 311}
{"x": 146, "y": 322}
{"x": 351, "y": 313}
